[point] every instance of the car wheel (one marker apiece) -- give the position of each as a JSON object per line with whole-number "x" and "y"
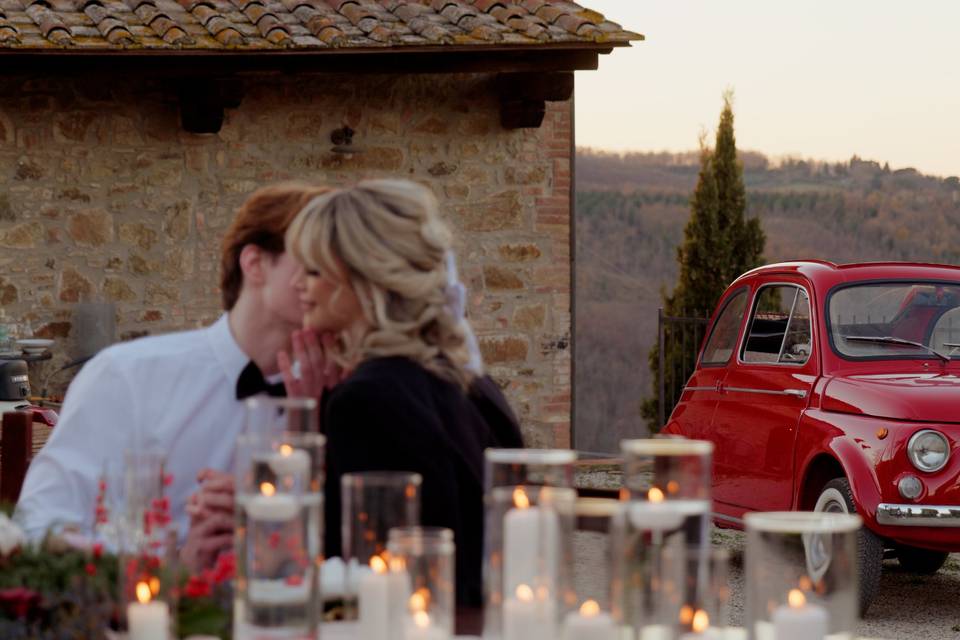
{"x": 922, "y": 561}
{"x": 836, "y": 497}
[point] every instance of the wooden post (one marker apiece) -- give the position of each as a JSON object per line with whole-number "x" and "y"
{"x": 16, "y": 450}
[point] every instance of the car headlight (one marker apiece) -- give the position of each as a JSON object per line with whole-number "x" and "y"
{"x": 928, "y": 450}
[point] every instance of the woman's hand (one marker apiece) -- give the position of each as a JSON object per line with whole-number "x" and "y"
{"x": 318, "y": 370}
{"x": 211, "y": 520}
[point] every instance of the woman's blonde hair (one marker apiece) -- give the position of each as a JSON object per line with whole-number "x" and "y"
{"x": 387, "y": 239}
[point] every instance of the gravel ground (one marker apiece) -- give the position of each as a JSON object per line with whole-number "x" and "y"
{"x": 907, "y": 607}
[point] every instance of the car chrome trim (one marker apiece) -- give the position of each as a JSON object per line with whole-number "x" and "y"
{"x": 797, "y": 393}
{"x": 918, "y": 515}
{"x": 700, "y": 389}
{"x": 726, "y": 518}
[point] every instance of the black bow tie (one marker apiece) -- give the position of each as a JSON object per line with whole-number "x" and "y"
{"x": 251, "y": 382}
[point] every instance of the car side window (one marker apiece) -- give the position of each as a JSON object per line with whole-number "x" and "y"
{"x": 723, "y": 339}
{"x": 780, "y": 327}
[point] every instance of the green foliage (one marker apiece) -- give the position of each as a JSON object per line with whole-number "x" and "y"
{"x": 719, "y": 244}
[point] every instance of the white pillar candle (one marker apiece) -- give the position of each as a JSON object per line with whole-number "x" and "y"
{"x": 531, "y": 546}
{"x": 270, "y": 506}
{"x": 146, "y": 619}
{"x": 660, "y": 515}
{"x": 701, "y": 629}
{"x": 381, "y": 596}
{"x": 373, "y": 591}
{"x": 589, "y": 624}
{"x": 798, "y": 619}
{"x": 526, "y": 618}
{"x": 656, "y": 632}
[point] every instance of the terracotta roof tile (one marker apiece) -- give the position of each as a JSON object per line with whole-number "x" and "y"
{"x": 8, "y": 32}
{"x": 299, "y": 24}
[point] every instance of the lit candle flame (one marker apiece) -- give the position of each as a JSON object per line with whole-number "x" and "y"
{"x": 655, "y": 495}
{"x": 267, "y": 489}
{"x": 543, "y": 593}
{"x": 796, "y": 598}
{"x": 686, "y": 614}
{"x": 589, "y": 609}
{"x": 419, "y": 600}
{"x": 520, "y": 498}
{"x": 524, "y": 593}
{"x": 672, "y": 487}
{"x": 421, "y": 619}
{"x": 806, "y": 584}
{"x": 154, "y": 585}
{"x": 378, "y": 564}
{"x": 286, "y": 450}
{"x": 700, "y": 621}
{"x": 143, "y": 592}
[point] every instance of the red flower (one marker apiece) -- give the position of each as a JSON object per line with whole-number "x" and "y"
{"x": 225, "y": 569}
{"x": 197, "y": 588}
{"x": 168, "y": 479}
{"x": 295, "y": 580}
{"x": 97, "y": 551}
{"x": 18, "y": 601}
{"x": 91, "y": 569}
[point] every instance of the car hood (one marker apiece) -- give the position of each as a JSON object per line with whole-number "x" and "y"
{"x": 912, "y": 397}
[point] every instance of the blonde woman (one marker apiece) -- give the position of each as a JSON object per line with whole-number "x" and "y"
{"x": 380, "y": 288}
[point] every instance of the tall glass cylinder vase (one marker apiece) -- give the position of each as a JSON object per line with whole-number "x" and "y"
{"x": 661, "y": 538}
{"x": 267, "y": 415}
{"x": 801, "y": 575}
{"x": 536, "y": 467}
{"x": 424, "y": 559}
{"x": 528, "y": 550}
{"x": 372, "y": 503}
{"x": 279, "y": 534}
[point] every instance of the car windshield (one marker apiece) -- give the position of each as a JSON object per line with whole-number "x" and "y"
{"x": 896, "y": 320}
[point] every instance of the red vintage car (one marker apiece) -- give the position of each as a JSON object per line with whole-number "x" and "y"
{"x": 837, "y": 388}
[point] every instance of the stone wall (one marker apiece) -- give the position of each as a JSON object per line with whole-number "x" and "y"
{"x": 103, "y": 197}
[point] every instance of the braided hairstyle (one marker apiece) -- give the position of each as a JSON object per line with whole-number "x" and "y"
{"x": 385, "y": 240}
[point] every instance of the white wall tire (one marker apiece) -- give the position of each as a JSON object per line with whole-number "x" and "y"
{"x": 837, "y": 497}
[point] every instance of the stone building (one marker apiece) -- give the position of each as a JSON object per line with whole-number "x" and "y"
{"x": 130, "y": 130}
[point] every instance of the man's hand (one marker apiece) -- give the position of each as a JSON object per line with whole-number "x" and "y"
{"x": 211, "y": 520}
{"x": 318, "y": 370}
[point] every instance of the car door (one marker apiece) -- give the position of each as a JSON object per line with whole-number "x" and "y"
{"x": 761, "y": 399}
{"x": 694, "y": 412}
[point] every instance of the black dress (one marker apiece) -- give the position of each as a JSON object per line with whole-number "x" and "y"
{"x": 392, "y": 414}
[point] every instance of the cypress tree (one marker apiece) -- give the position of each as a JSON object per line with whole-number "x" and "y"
{"x": 719, "y": 244}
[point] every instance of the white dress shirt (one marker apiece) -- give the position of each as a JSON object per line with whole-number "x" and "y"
{"x": 175, "y": 392}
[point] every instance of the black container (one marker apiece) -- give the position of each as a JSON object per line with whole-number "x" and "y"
{"x": 14, "y": 381}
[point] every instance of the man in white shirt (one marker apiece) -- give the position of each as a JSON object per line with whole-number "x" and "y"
{"x": 179, "y": 392}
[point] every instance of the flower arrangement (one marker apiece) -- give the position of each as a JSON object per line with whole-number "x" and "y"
{"x": 206, "y": 601}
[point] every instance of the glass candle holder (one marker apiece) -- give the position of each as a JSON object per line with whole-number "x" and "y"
{"x": 424, "y": 559}
{"x": 148, "y": 577}
{"x": 539, "y": 467}
{"x": 279, "y": 534}
{"x": 268, "y": 415}
{"x": 593, "y": 619}
{"x": 143, "y": 481}
{"x": 704, "y": 612}
{"x": 801, "y": 575}
{"x": 661, "y": 537}
{"x": 372, "y": 503}
{"x": 528, "y": 570}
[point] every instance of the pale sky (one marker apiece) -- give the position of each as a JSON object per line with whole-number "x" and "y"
{"x": 820, "y": 79}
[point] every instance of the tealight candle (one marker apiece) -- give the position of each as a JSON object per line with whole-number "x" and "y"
{"x": 701, "y": 629}
{"x": 289, "y": 461}
{"x": 798, "y": 619}
{"x": 422, "y": 628}
{"x": 589, "y": 624}
{"x": 656, "y": 514}
{"x": 271, "y": 507}
{"x": 148, "y": 619}
{"x": 530, "y": 544}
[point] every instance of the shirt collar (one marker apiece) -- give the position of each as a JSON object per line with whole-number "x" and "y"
{"x": 225, "y": 348}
